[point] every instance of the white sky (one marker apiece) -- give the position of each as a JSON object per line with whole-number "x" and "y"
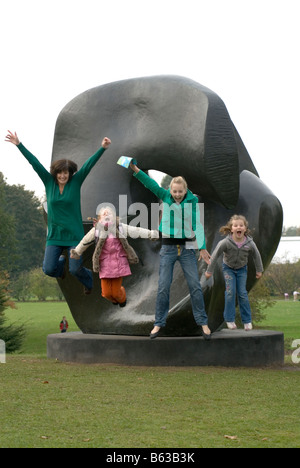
{"x": 247, "y": 51}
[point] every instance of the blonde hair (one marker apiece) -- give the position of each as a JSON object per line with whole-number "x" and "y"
{"x": 225, "y": 230}
{"x": 179, "y": 180}
{"x": 105, "y": 208}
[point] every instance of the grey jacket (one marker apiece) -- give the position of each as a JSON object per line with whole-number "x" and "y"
{"x": 236, "y": 257}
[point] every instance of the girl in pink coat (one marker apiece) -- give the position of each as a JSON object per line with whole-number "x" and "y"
{"x": 112, "y": 254}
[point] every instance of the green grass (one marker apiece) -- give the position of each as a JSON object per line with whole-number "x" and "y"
{"x": 46, "y": 403}
{"x": 41, "y": 319}
{"x": 285, "y": 317}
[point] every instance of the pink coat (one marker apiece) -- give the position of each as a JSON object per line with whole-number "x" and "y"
{"x": 113, "y": 259}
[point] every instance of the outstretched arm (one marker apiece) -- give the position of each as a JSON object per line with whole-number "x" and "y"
{"x": 37, "y": 166}
{"x": 87, "y": 240}
{"x": 90, "y": 163}
{"x": 149, "y": 183}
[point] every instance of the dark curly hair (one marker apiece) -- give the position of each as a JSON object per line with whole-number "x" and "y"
{"x": 63, "y": 165}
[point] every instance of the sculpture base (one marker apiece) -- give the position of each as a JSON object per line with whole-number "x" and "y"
{"x": 226, "y": 348}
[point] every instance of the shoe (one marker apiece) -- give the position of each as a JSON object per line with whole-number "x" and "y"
{"x": 155, "y": 335}
{"x": 87, "y": 291}
{"x": 123, "y": 304}
{"x": 231, "y": 325}
{"x": 248, "y": 326}
{"x": 206, "y": 336}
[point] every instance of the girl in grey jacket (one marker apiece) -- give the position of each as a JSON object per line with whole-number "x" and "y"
{"x": 236, "y": 248}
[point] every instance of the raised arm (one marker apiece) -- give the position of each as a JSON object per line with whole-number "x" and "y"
{"x": 90, "y": 163}
{"x": 149, "y": 183}
{"x": 37, "y": 166}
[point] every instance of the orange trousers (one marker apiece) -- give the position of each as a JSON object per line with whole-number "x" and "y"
{"x": 112, "y": 290}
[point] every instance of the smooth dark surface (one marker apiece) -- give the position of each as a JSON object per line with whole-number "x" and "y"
{"x": 226, "y": 348}
{"x": 177, "y": 126}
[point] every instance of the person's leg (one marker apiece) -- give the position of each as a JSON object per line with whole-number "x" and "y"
{"x": 106, "y": 289}
{"x": 242, "y": 293}
{"x": 118, "y": 291}
{"x": 230, "y": 294}
{"x": 189, "y": 265}
{"x": 54, "y": 262}
{"x": 168, "y": 257}
{"x": 83, "y": 275}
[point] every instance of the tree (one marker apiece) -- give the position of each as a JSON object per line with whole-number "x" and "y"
{"x": 282, "y": 278}
{"x": 26, "y": 227}
{"x": 43, "y": 286}
{"x": 12, "y": 335}
{"x": 165, "y": 182}
{"x": 7, "y": 233}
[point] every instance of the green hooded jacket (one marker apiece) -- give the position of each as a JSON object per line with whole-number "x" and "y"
{"x": 65, "y": 226}
{"x": 179, "y": 221}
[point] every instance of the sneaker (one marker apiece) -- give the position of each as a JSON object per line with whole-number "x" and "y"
{"x": 231, "y": 325}
{"x": 248, "y": 326}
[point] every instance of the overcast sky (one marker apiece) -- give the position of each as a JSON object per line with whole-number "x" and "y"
{"x": 246, "y": 51}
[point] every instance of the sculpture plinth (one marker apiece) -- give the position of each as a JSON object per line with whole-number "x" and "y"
{"x": 226, "y": 348}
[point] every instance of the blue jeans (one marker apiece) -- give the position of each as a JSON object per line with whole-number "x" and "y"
{"x": 235, "y": 282}
{"x": 169, "y": 254}
{"x": 54, "y": 265}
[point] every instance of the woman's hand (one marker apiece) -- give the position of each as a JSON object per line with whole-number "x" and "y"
{"x": 12, "y": 138}
{"x": 205, "y": 256}
{"x": 105, "y": 142}
{"x": 134, "y": 168}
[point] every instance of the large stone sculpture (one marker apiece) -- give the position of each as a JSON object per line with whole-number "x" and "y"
{"x": 177, "y": 126}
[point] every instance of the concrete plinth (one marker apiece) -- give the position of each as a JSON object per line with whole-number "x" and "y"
{"x": 226, "y": 348}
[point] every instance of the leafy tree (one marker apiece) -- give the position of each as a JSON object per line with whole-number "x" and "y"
{"x": 12, "y": 335}
{"x": 282, "y": 278}
{"x": 43, "y": 286}
{"x": 165, "y": 182}
{"x": 7, "y": 233}
{"x": 25, "y": 226}
{"x": 21, "y": 287}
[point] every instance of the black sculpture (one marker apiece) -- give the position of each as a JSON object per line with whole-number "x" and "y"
{"x": 177, "y": 126}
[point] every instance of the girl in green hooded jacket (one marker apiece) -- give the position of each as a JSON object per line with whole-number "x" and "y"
{"x": 179, "y": 226}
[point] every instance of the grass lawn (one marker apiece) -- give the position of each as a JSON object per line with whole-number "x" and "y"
{"x": 41, "y": 319}
{"x": 285, "y": 317}
{"x": 45, "y": 403}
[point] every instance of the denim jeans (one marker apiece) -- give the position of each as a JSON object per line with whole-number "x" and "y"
{"x": 169, "y": 254}
{"x": 235, "y": 282}
{"x": 54, "y": 263}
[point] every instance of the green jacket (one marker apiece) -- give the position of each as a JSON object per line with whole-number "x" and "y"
{"x": 179, "y": 221}
{"x": 65, "y": 226}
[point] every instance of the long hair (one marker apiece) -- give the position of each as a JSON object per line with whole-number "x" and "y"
{"x": 63, "y": 165}
{"x": 225, "y": 230}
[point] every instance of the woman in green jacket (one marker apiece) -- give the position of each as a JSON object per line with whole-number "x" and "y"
{"x": 179, "y": 225}
{"x": 65, "y": 230}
